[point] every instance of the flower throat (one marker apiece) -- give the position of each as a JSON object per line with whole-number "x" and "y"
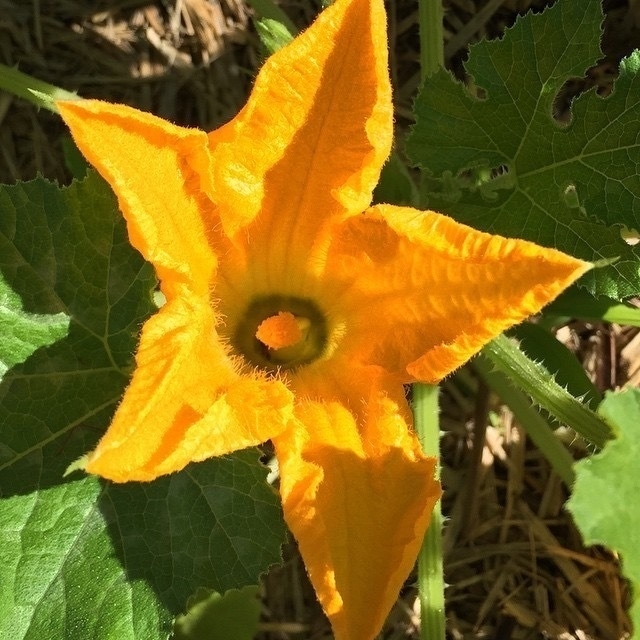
{"x": 281, "y": 332}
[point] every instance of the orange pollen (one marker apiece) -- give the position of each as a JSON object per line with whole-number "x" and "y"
{"x": 282, "y": 330}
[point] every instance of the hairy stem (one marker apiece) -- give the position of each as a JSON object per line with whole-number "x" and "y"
{"x": 430, "y": 15}
{"x": 41, "y": 94}
{"x": 430, "y": 565}
{"x": 537, "y": 382}
{"x": 535, "y": 425}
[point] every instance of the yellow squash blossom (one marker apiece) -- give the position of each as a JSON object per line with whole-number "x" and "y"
{"x": 296, "y": 312}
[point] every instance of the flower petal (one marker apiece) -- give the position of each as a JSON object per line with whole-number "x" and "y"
{"x": 358, "y": 508}
{"x": 186, "y": 402}
{"x": 150, "y": 164}
{"x": 310, "y": 143}
{"x": 427, "y": 293}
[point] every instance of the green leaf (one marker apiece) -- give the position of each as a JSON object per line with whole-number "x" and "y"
{"x": 273, "y": 34}
{"x": 508, "y": 167}
{"x": 578, "y": 303}
{"x": 395, "y": 185}
{"x": 271, "y": 11}
{"x": 22, "y": 333}
{"x": 232, "y": 616}
{"x": 604, "y": 502}
{"x": 81, "y": 558}
{"x": 65, "y": 260}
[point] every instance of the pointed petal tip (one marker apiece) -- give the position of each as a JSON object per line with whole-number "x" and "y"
{"x": 461, "y": 287}
{"x": 358, "y": 527}
{"x": 443, "y": 359}
{"x": 328, "y": 139}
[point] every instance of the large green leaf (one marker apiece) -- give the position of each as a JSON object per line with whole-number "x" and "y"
{"x": 505, "y": 165}
{"x": 604, "y": 502}
{"x": 81, "y": 558}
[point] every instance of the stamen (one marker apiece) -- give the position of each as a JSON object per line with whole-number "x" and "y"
{"x": 280, "y": 331}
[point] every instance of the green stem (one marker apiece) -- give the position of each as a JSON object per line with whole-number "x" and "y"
{"x": 537, "y": 382}
{"x": 535, "y": 425}
{"x": 430, "y": 566}
{"x": 39, "y": 93}
{"x": 425, "y": 397}
{"x": 430, "y": 14}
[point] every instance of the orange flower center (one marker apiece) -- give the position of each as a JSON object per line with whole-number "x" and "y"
{"x": 281, "y": 332}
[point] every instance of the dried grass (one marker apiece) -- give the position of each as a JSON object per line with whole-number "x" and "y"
{"x": 190, "y": 61}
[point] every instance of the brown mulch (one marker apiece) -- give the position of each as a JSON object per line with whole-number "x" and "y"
{"x": 514, "y": 562}
{"x": 190, "y": 61}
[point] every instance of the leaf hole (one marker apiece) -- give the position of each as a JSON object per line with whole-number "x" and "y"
{"x": 599, "y": 77}
{"x": 630, "y": 236}
{"x": 570, "y": 196}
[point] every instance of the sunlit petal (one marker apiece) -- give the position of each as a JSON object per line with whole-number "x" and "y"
{"x": 186, "y": 402}
{"x": 426, "y": 293}
{"x": 311, "y": 141}
{"x": 149, "y": 164}
{"x": 359, "y": 512}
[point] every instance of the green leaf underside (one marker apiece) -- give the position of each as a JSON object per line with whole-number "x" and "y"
{"x": 604, "y": 503}
{"x": 80, "y": 558}
{"x": 597, "y": 153}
